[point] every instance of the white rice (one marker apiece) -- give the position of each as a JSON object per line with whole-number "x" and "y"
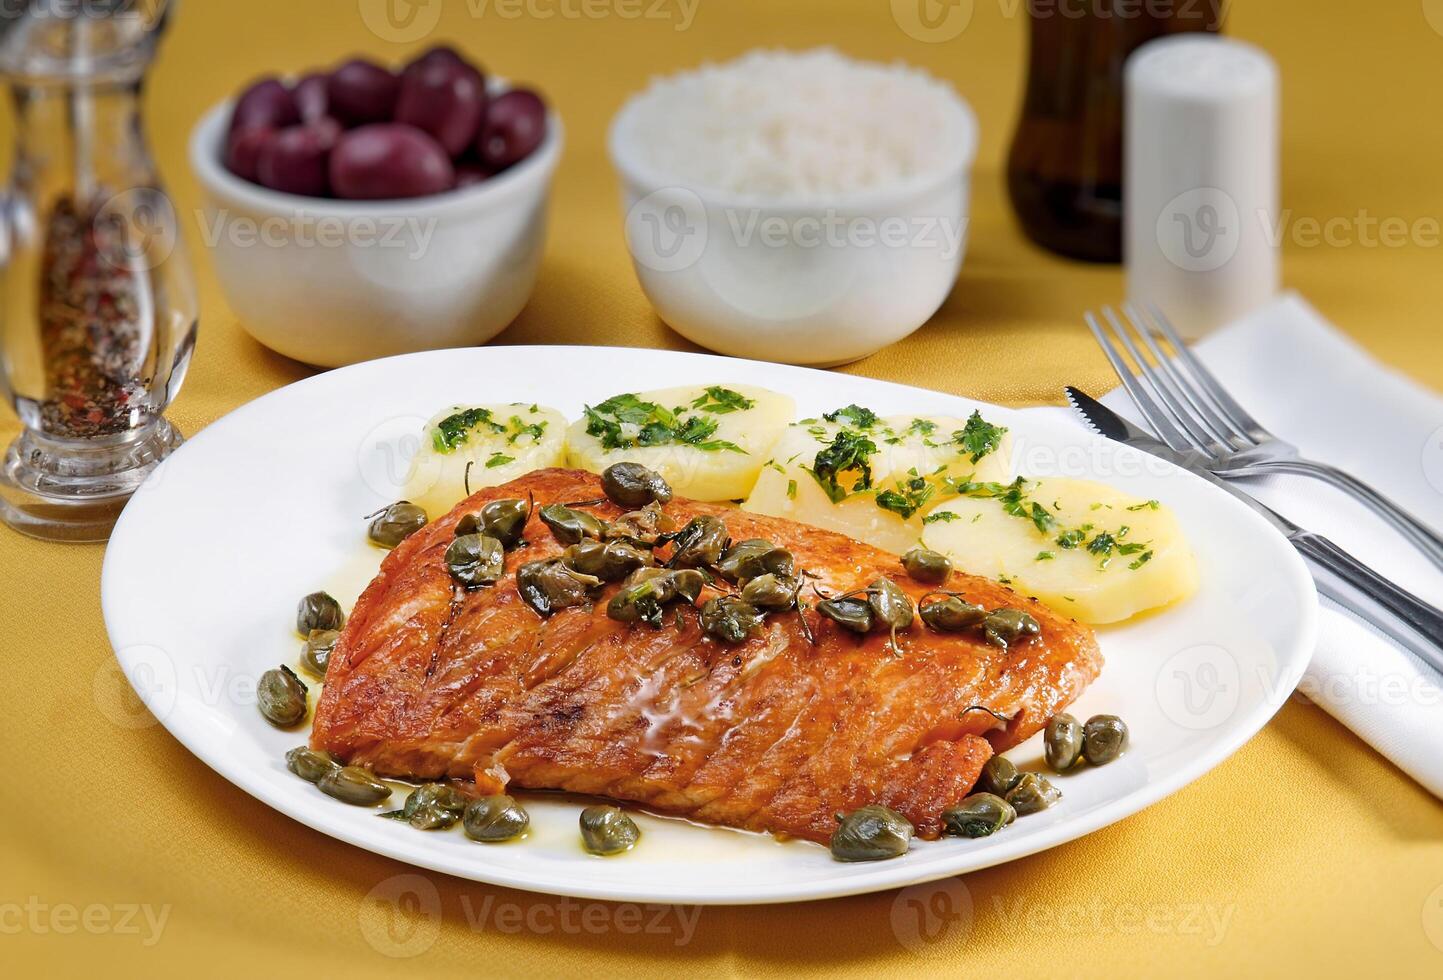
{"x": 782, "y": 124}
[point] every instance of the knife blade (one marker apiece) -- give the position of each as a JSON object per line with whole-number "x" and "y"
{"x": 1397, "y": 613}
{"x": 1107, "y": 423}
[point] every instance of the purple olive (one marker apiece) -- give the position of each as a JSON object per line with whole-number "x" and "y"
{"x": 311, "y": 97}
{"x": 445, "y": 100}
{"x": 470, "y": 174}
{"x": 389, "y": 160}
{"x": 514, "y": 127}
{"x": 265, "y": 104}
{"x": 441, "y": 54}
{"x": 361, "y": 92}
{"x": 243, "y": 150}
{"x": 297, "y": 158}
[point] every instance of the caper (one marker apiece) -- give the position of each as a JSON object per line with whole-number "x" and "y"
{"x": 281, "y": 697}
{"x": 688, "y": 583}
{"x": 505, "y": 520}
{"x": 873, "y": 833}
{"x": 492, "y": 819}
{"x": 1062, "y": 742}
{"x": 434, "y": 806}
{"x": 318, "y": 611}
{"x": 396, "y": 523}
{"x": 310, "y": 764}
{"x": 771, "y": 591}
{"x": 850, "y": 614}
{"x": 1104, "y": 738}
{"x": 316, "y": 653}
{"x": 548, "y": 585}
{"x": 354, "y": 785}
{"x": 475, "y": 560}
{"x": 642, "y": 598}
{"x": 442, "y": 795}
{"x": 570, "y": 526}
{"x": 951, "y": 615}
{"x": 609, "y": 562}
{"x": 999, "y": 776}
{"x": 633, "y": 485}
{"x": 644, "y": 528}
{"x": 729, "y": 618}
{"x": 891, "y": 607}
{"x": 755, "y": 556}
{"x": 1033, "y": 793}
{"x": 980, "y": 815}
{"x": 700, "y": 543}
{"x": 607, "y": 830}
{"x": 926, "y": 565}
{"x": 1006, "y": 626}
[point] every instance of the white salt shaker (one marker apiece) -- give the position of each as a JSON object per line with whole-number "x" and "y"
{"x": 1201, "y": 179}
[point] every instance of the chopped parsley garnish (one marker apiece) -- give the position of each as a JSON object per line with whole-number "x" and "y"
{"x": 849, "y": 451}
{"x": 922, "y": 427}
{"x": 908, "y": 499}
{"x": 791, "y": 489}
{"x": 1013, "y": 498}
{"x": 518, "y": 428}
{"x": 1045, "y": 556}
{"x": 721, "y": 401}
{"x": 624, "y": 421}
{"x": 1140, "y": 561}
{"x": 862, "y": 418}
{"x": 942, "y": 516}
{"x": 979, "y": 437}
{"x": 1102, "y": 544}
{"x": 1146, "y": 505}
{"x": 499, "y": 459}
{"x": 454, "y": 430}
{"x": 1071, "y": 539}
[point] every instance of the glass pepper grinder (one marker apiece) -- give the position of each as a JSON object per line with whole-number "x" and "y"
{"x": 97, "y": 298}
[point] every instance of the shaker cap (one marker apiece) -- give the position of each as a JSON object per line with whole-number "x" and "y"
{"x": 1202, "y": 68}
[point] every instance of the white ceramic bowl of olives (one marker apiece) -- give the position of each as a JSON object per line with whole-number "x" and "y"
{"x": 363, "y": 213}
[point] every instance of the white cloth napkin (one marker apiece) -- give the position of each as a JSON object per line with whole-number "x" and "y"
{"x": 1307, "y": 383}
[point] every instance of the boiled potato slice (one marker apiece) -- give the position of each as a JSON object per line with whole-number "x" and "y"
{"x": 911, "y": 460}
{"x": 500, "y": 442}
{"x": 1104, "y": 556}
{"x": 707, "y": 441}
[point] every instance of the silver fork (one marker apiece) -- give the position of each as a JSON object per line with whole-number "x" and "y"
{"x": 1192, "y": 412}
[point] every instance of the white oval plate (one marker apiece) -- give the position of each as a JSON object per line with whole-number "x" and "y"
{"x": 205, "y": 567}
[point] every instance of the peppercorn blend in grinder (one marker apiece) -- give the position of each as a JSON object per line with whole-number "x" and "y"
{"x": 99, "y": 307}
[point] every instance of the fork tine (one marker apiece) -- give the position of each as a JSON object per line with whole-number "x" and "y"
{"x": 1193, "y": 401}
{"x": 1164, "y": 428}
{"x": 1177, "y": 412}
{"x": 1236, "y": 415}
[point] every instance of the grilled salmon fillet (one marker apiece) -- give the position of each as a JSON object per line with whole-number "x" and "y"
{"x": 778, "y": 733}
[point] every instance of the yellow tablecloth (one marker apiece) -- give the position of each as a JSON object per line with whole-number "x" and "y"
{"x": 1306, "y": 853}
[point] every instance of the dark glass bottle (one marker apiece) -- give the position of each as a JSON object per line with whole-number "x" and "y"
{"x": 1064, "y": 174}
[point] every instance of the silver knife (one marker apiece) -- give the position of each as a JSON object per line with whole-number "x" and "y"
{"x": 1397, "y": 613}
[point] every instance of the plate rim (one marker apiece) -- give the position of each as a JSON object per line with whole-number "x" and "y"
{"x": 1292, "y": 661}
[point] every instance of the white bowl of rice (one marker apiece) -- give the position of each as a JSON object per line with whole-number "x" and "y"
{"x": 796, "y": 206}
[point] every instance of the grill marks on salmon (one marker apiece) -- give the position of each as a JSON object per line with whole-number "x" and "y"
{"x": 773, "y": 734}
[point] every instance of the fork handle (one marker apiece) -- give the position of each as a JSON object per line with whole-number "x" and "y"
{"x": 1398, "y": 613}
{"x": 1424, "y": 538}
